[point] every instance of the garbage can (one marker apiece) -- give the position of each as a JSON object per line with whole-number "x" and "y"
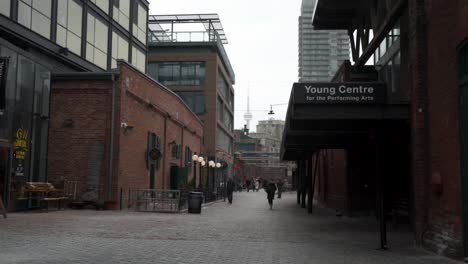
{"x": 195, "y": 200}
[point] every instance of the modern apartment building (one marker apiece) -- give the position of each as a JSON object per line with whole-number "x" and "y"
{"x": 321, "y": 52}
{"x": 186, "y": 53}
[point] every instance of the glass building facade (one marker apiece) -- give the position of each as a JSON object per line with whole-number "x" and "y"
{"x": 23, "y": 123}
{"x": 99, "y": 31}
{"x": 321, "y": 52}
{"x": 42, "y": 37}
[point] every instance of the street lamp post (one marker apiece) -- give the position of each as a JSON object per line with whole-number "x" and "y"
{"x": 195, "y": 159}
{"x": 200, "y": 160}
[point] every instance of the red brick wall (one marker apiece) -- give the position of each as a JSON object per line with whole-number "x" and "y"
{"x": 147, "y": 106}
{"x": 143, "y": 104}
{"x": 446, "y": 29}
{"x": 80, "y": 117}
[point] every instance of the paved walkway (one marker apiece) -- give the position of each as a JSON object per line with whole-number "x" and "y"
{"x": 245, "y": 232}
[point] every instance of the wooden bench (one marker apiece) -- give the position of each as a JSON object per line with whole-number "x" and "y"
{"x": 45, "y": 192}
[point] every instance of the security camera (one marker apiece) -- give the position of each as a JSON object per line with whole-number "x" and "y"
{"x": 123, "y": 125}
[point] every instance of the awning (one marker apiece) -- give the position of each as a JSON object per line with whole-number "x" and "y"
{"x": 335, "y": 116}
{"x": 339, "y": 14}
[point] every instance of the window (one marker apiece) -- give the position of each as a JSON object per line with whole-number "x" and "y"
{"x": 138, "y": 59}
{"x": 119, "y": 49}
{"x": 227, "y": 121}
{"x": 139, "y": 23}
{"x": 223, "y": 141}
{"x": 178, "y": 73}
{"x": 69, "y": 17}
{"x": 5, "y": 8}
{"x": 223, "y": 87}
{"x": 102, "y": 4}
{"x": 195, "y": 100}
{"x": 35, "y": 15}
{"x": 176, "y": 151}
{"x": 96, "y": 42}
{"x": 219, "y": 110}
{"x": 122, "y": 13}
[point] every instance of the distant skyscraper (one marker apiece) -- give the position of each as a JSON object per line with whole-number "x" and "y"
{"x": 320, "y": 51}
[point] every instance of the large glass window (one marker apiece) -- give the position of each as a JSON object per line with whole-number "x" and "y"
{"x": 122, "y": 13}
{"x": 5, "y": 8}
{"x": 138, "y": 59}
{"x": 178, "y": 73}
{"x": 223, "y": 141}
{"x": 102, "y": 4}
{"x": 227, "y": 121}
{"x": 96, "y": 42}
{"x": 139, "y": 23}
{"x": 69, "y": 21}
{"x": 195, "y": 100}
{"x": 219, "y": 110}
{"x": 35, "y": 15}
{"x": 223, "y": 87}
{"x": 119, "y": 49}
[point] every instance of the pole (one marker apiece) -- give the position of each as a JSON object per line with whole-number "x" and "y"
{"x": 298, "y": 181}
{"x": 304, "y": 182}
{"x": 121, "y": 198}
{"x": 2, "y": 206}
{"x": 380, "y": 191}
{"x": 195, "y": 174}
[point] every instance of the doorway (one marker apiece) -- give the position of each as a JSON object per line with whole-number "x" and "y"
{"x": 463, "y": 120}
{"x": 4, "y": 172}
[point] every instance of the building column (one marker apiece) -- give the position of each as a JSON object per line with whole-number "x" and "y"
{"x": 421, "y": 152}
{"x": 298, "y": 181}
{"x": 305, "y": 181}
{"x": 311, "y": 184}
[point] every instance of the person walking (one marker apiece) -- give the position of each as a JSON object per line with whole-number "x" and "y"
{"x": 257, "y": 185}
{"x": 280, "y": 188}
{"x": 270, "y": 190}
{"x": 230, "y": 189}
{"x": 248, "y": 185}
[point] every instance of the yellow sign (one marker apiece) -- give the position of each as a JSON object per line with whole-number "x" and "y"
{"x": 20, "y": 145}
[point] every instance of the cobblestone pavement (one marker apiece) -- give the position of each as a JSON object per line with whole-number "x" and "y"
{"x": 245, "y": 232}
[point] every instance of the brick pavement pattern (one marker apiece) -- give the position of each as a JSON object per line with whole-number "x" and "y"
{"x": 244, "y": 232}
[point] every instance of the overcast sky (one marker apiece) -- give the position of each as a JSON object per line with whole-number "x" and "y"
{"x": 262, "y": 48}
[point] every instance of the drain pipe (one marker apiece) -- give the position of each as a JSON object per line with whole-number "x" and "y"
{"x": 111, "y": 149}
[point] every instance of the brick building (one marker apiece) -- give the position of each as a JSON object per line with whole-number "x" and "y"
{"x": 195, "y": 65}
{"x": 406, "y": 151}
{"x": 104, "y": 125}
{"x": 42, "y": 37}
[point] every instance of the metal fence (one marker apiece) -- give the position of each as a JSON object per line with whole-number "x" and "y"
{"x": 151, "y": 200}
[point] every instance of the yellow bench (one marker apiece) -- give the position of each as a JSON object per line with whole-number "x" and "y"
{"x": 45, "y": 193}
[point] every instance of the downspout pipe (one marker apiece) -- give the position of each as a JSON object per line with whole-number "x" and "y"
{"x": 111, "y": 148}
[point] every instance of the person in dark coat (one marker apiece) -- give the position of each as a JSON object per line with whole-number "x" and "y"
{"x": 230, "y": 189}
{"x": 280, "y": 188}
{"x": 270, "y": 190}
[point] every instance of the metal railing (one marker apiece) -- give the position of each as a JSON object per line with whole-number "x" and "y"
{"x": 182, "y": 36}
{"x": 153, "y": 200}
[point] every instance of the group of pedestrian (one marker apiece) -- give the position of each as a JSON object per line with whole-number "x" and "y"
{"x": 270, "y": 189}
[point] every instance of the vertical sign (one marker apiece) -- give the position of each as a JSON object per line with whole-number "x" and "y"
{"x": 3, "y": 79}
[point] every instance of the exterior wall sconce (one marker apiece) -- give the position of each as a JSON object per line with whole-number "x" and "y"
{"x": 126, "y": 126}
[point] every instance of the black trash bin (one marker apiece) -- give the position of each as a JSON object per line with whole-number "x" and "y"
{"x": 195, "y": 200}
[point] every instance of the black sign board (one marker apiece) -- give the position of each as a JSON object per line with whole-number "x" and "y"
{"x": 3, "y": 79}
{"x": 340, "y": 93}
{"x": 154, "y": 154}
